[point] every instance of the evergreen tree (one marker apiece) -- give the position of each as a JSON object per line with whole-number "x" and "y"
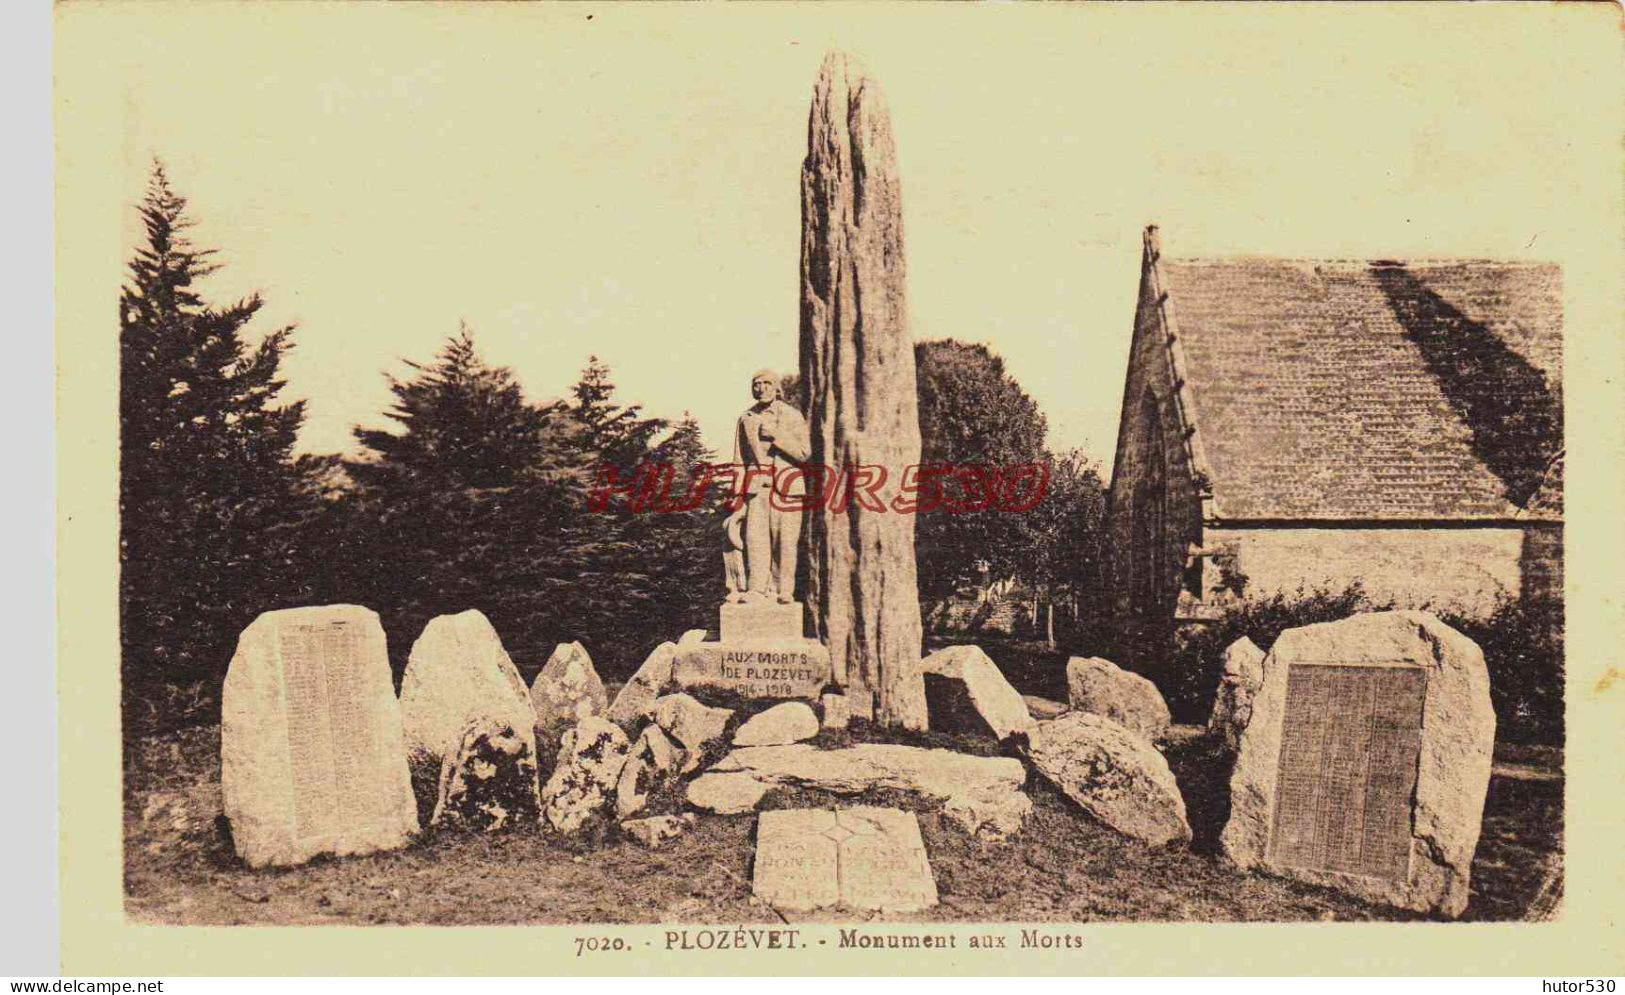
{"x": 686, "y": 537}
{"x": 646, "y": 568}
{"x": 209, "y": 494}
{"x": 469, "y": 501}
{"x": 463, "y": 425}
{"x": 618, "y": 434}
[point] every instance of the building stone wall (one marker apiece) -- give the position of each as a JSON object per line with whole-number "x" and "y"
{"x": 1456, "y": 569}
{"x": 1542, "y": 565}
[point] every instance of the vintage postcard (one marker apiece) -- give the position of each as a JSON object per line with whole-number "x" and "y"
{"x": 798, "y": 489}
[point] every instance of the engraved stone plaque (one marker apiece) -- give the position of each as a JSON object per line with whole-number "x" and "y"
{"x": 796, "y": 668}
{"x": 329, "y": 740}
{"x": 861, "y": 858}
{"x": 797, "y": 859}
{"x": 1347, "y": 771}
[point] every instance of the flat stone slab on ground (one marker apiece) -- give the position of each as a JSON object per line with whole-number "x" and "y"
{"x": 861, "y": 858}
{"x": 1042, "y": 708}
{"x": 938, "y": 774}
{"x": 726, "y": 794}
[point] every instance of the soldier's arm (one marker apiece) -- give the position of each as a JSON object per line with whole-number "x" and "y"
{"x": 791, "y": 438}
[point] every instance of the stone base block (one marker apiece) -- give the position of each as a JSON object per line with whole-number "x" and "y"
{"x": 782, "y": 668}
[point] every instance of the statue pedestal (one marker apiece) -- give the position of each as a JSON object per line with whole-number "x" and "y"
{"x": 760, "y": 620}
{"x": 761, "y": 654}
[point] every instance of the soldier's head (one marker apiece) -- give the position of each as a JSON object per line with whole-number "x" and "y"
{"x": 764, "y": 386}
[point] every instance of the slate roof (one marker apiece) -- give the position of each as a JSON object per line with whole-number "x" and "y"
{"x": 1331, "y": 389}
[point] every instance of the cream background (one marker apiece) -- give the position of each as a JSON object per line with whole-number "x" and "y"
{"x": 628, "y": 185}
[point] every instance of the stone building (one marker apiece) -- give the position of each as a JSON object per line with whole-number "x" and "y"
{"x": 1307, "y": 424}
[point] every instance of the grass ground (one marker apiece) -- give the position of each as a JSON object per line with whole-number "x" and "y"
{"x": 179, "y": 866}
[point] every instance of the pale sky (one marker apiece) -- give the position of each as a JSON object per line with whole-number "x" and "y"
{"x": 628, "y": 185}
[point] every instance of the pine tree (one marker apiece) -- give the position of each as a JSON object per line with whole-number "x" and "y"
{"x": 448, "y": 499}
{"x": 463, "y": 425}
{"x": 207, "y": 495}
{"x": 684, "y": 540}
{"x": 618, "y": 434}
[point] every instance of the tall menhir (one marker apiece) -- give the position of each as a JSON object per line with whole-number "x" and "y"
{"x": 857, "y": 374}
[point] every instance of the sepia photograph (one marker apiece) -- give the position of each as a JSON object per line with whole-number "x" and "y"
{"x": 821, "y": 479}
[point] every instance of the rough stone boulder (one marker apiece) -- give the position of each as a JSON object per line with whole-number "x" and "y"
{"x": 1100, "y": 687}
{"x": 971, "y": 783}
{"x": 490, "y": 783}
{"x": 653, "y": 761}
{"x": 693, "y": 725}
{"x": 1043, "y": 708}
{"x": 1114, "y": 774}
{"x": 1405, "y": 695}
{"x": 637, "y": 698}
{"x": 994, "y": 815}
{"x": 586, "y": 775}
{"x": 791, "y": 722}
{"x": 653, "y": 831}
{"x": 691, "y": 637}
{"x": 567, "y": 690}
{"x": 458, "y": 676}
{"x": 1233, "y": 702}
{"x": 999, "y": 704}
{"x": 726, "y": 794}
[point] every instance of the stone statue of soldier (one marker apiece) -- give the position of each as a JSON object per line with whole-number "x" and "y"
{"x": 771, "y": 436}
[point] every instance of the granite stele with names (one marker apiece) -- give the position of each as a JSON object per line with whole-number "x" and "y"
{"x": 761, "y": 654}
{"x": 1366, "y": 760}
{"x": 312, "y": 755}
{"x": 858, "y": 859}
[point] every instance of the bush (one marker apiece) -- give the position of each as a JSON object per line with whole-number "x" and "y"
{"x": 1191, "y": 674}
{"x": 1522, "y": 640}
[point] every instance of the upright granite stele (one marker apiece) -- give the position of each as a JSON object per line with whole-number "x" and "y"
{"x": 1366, "y": 760}
{"x": 312, "y": 758}
{"x": 857, "y": 375}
